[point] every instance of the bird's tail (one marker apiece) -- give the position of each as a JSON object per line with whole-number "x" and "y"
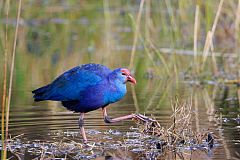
{"x": 41, "y": 94}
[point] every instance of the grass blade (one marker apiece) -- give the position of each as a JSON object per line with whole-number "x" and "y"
{"x": 136, "y": 33}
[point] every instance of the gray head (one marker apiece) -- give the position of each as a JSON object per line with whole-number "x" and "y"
{"x": 122, "y": 75}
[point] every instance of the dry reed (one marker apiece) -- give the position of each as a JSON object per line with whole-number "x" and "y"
{"x": 180, "y": 133}
{"x": 237, "y": 38}
{"x": 4, "y": 148}
{"x": 208, "y": 42}
{"x": 196, "y": 25}
{"x": 8, "y": 102}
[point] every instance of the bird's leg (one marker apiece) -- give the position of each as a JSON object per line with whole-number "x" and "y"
{"x": 109, "y": 120}
{"x": 130, "y": 116}
{"x": 82, "y": 130}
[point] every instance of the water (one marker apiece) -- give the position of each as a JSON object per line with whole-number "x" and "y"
{"x": 49, "y": 125}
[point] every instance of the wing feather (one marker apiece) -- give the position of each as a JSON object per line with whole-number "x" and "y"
{"x": 73, "y": 82}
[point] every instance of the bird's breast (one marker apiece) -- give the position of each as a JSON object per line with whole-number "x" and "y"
{"x": 115, "y": 93}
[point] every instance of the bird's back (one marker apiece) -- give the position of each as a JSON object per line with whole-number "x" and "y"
{"x": 71, "y": 83}
{"x": 98, "y": 69}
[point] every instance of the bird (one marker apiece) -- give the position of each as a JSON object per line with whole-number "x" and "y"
{"x": 88, "y": 87}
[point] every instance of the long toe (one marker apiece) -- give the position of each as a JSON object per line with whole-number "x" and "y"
{"x": 143, "y": 118}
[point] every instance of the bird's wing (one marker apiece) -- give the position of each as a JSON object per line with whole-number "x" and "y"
{"x": 70, "y": 84}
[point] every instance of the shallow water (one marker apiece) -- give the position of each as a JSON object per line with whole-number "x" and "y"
{"x": 49, "y": 125}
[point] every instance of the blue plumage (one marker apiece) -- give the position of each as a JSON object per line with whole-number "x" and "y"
{"x": 85, "y": 88}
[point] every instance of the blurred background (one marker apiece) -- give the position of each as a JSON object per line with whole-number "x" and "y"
{"x": 177, "y": 49}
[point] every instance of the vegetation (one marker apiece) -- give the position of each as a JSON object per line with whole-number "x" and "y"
{"x": 164, "y": 43}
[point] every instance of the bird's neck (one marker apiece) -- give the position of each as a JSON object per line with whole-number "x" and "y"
{"x": 117, "y": 91}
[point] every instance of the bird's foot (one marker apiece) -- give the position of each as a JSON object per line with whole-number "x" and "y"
{"x": 85, "y": 141}
{"x": 142, "y": 118}
{"x": 107, "y": 119}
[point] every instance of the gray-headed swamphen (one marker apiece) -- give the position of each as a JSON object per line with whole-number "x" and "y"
{"x": 86, "y": 88}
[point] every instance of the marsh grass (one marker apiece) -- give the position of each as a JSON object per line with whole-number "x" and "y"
{"x": 201, "y": 60}
{"x": 165, "y": 31}
{"x": 135, "y": 39}
{"x": 181, "y": 133}
{"x": 167, "y": 36}
{"x": 195, "y": 46}
{"x": 209, "y": 39}
{"x": 6, "y": 100}
{"x": 136, "y": 34}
